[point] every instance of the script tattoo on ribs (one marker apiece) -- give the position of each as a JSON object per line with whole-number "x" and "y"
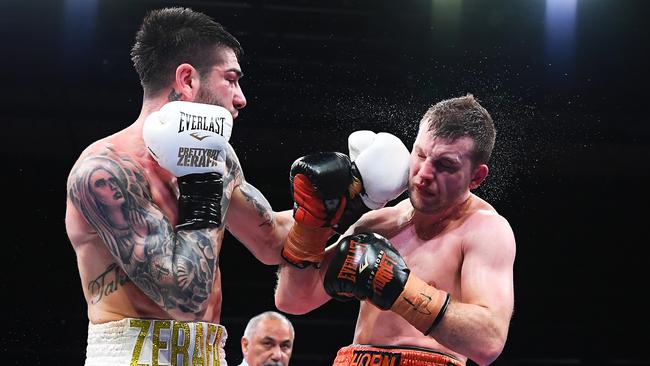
{"x": 107, "y": 283}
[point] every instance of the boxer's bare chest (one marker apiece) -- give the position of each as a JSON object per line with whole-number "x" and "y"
{"x": 436, "y": 260}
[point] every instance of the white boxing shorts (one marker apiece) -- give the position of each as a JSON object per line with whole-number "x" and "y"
{"x": 155, "y": 342}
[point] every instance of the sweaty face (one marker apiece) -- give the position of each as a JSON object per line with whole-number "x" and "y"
{"x": 221, "y": 85}
{"x": 440, "y": 172}
{"x": 271, "y": 344}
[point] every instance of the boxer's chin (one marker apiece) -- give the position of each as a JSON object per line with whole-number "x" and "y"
{"x": 426, "y": 205}
{"x": 419, "y": 199}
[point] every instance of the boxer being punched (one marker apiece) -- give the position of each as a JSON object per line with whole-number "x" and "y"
{"x": 434, "y": 273}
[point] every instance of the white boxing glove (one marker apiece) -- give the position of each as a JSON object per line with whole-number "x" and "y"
{"x": 359, "y": 141}
{"x": 380, "y": 161}
{"x": 187, "y": 137}
{"x": 383, "y": 165}
{"x": 190, "y": 140}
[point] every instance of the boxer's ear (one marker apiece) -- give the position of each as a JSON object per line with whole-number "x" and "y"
{"x": 480, "y": 173}
{"x": 187, "y": 82}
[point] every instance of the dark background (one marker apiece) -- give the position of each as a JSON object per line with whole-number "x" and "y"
{"x": 564, "y": 80}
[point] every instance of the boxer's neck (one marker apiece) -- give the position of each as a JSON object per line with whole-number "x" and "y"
{"x": 428, "y": 226}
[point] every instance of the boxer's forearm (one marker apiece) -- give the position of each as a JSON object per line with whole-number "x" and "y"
{"x": 472, "y": 330}
{"x": 253, "y": 222}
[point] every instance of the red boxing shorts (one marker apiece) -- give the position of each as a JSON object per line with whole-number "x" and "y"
{"x": 367, "y": 355}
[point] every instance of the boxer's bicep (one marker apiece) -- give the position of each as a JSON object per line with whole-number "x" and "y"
{"x": 487, "y": 272}
{"x": 477, "y": 319}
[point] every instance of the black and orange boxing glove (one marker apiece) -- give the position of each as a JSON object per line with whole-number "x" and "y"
{"x": 319, "y": 186}
{"x": 368, "y": 267}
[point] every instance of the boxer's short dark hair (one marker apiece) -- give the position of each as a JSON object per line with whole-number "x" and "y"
{"x": 463, "y": 116}
{"x": 172, "y": 36}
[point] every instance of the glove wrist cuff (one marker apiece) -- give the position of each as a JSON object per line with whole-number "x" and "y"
{"x": 421, "y": 304}
{"x": 199, "y": 201}
{"x": 305, "y": 244}
{"x": 297, "y": 262}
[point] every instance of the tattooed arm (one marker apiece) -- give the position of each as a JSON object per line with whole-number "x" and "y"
{"x": 176, "y": 270}
{"x": 253, "y": 222}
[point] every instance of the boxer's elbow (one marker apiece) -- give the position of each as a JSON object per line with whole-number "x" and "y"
{"x": 270, "y": 257}
{"x": 291, "y": 304}
{"x": 285, "y": 305}
{"x": 294, "y": 301}
{"x": 486, "y": 357}
{"x": 298, "y": 291}
{"x": 489, "y": 350}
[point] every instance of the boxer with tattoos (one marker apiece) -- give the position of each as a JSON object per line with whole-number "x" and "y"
{"x": 147, "y": 206}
